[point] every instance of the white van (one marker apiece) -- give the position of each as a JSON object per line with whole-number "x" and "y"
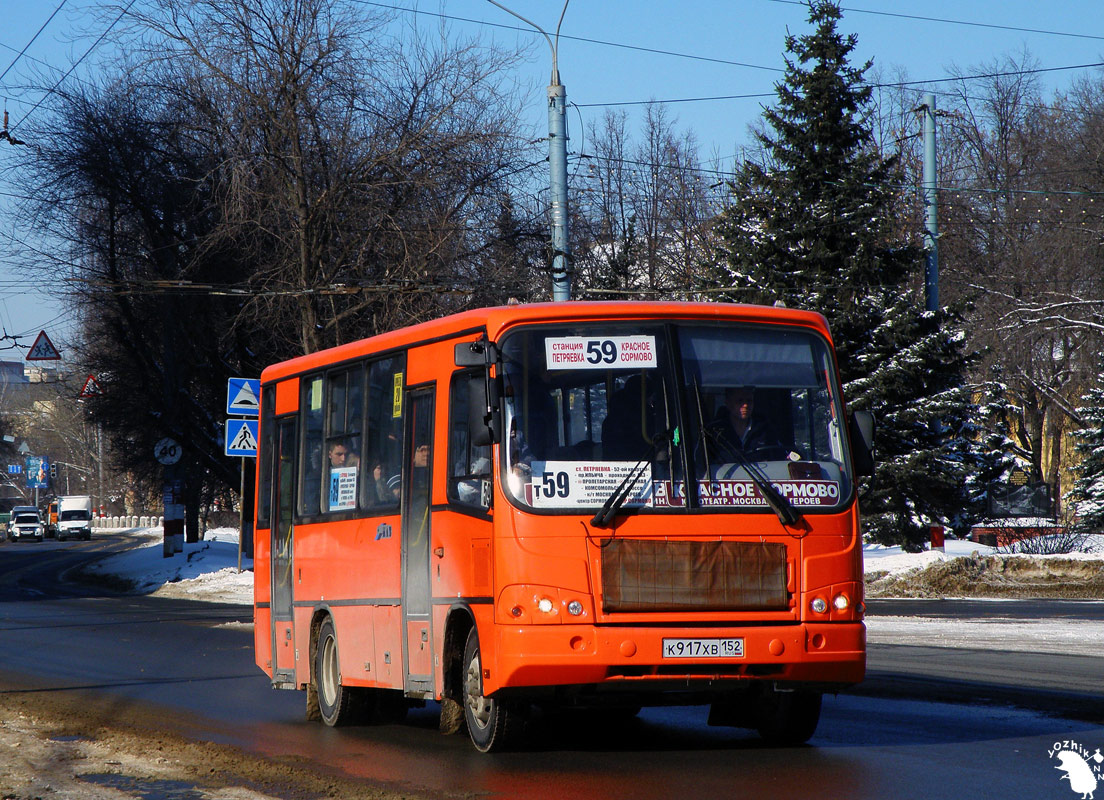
{"x": 74, "y": 517}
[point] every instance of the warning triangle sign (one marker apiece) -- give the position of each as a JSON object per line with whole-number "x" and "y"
{"x": 91, "y": 388}
{"x": 246, "y": 398}
{"x": 43, "y": 349}
{"x": 244, "y": 439}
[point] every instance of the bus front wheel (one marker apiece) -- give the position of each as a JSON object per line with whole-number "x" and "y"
{"x": 336, "y": 703}
{"x": 493, "y": 724}
{"x": 788, "y": 718}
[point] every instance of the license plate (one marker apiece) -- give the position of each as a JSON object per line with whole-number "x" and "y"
{"x": 703, "y": 648}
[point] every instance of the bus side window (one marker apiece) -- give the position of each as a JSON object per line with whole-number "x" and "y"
{"x": 469, "y": 466}
{"x": 342, "y": 469}
{"x": 383, "y": 434}
{"x": 310, "y": 459}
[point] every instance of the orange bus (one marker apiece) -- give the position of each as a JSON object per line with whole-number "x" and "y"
{"x": 599, "y": 506}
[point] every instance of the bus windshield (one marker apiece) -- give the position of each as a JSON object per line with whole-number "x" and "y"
{"x": 720, "y": 409}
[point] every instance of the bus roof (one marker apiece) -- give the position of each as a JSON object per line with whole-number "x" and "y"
{"x": 496, "y": 319}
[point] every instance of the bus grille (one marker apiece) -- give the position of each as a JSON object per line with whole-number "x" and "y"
{"x": 656, "y": 575}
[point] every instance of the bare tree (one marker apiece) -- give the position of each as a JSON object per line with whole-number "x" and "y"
{"x": 262, "y": 178}
{"x": 1014, "y": 244}
{"x": 645, "y": 214}
{"x": 359, "y": 172}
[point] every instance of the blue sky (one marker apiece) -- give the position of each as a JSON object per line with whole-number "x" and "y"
{"x": 612, "y": 54}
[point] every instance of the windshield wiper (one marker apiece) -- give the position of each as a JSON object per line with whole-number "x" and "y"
{"x": 779, "y": 504}
{"x": 621, "y": 494}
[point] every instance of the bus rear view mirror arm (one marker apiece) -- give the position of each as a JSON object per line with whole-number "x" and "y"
{"x": 483, "y": 410}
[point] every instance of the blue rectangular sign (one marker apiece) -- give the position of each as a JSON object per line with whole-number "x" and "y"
{"x": 241, "y": 437}
{"x": 243, "y": 397}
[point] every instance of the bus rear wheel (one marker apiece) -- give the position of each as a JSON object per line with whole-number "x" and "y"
{"x": 493, "y": 724}
{"x": 337, "y": 704}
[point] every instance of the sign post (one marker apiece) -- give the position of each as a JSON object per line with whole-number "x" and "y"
{"x": 243, "y": 399}
{"x": 168, "y": 453}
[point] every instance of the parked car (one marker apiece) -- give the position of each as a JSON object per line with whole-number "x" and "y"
{"x": 26, "y": 523}
{"x": 74, "y": 517}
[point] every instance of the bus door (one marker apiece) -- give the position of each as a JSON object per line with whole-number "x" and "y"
{"x": 283, "y": 635}
{"x": 416, "y": 602}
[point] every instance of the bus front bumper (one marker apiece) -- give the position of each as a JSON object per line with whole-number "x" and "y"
{"x": 560, "y": 655}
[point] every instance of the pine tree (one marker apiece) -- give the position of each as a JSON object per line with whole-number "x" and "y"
{"x": 817, "y": 226}
{"x": 1087, "y": 494}
{"x": 1000, "y": 453}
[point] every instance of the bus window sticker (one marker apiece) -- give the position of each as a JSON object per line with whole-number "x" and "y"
{"x": 343, "y": 481}
{"x": 600, "y": 352}
{"x": 396, "y": 396}
{"x": 584, "y": 484}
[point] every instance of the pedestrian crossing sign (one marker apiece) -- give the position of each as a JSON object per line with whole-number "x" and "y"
{"x": 241, "y": 438}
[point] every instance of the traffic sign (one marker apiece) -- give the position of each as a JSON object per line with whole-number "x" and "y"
{"x": 243, "y": 397}
{"x": 43, "y": 349}
{"x": 91, "y": 388}
{"x": 241, "y": 437}
{"x": 167, "y": 451}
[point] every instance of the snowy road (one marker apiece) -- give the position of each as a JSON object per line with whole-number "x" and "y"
{"x": 1058, "y": 636}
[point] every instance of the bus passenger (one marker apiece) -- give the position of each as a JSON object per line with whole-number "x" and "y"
{"x": 378, "y": 493}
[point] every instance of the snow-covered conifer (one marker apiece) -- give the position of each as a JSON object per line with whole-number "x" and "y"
{"x": 817, "y": 224}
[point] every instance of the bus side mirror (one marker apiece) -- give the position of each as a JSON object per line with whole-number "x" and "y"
{"x": 474, "y": 354}
{"x": 483, "y": 414}
{"x": 862, "y": 427}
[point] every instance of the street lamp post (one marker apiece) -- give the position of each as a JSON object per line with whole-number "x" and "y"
{"x": 557, "y": 163}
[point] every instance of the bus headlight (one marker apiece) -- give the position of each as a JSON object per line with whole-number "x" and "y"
{"x": 819, "y": 605}
{"x": 841, "y": 602}
{"x": 541, "y": 605}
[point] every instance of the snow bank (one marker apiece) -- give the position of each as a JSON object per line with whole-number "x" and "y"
{"x": 205, "y": 570}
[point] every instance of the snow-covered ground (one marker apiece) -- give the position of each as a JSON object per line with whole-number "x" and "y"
{"x": 208, "y": 570}
{"x": 995, "y": 632}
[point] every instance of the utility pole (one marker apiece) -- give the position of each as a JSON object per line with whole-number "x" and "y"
{"x": 931, "y": 223}
{"x": 557, "y": 164}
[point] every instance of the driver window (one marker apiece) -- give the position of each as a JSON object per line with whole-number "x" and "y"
{"x": 469, "y": 465}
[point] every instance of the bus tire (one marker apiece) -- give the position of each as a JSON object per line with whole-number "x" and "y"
{"x": 336, "y": 704}
{"x": 788, "y": 718}
{"x": 493, "y": 724}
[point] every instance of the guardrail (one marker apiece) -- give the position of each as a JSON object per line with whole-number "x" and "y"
{"x": 132, "y": 521}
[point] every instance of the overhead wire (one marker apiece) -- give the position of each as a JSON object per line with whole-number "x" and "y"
{"x": 32, "y": 41}
{"x": 75, "y": 64}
